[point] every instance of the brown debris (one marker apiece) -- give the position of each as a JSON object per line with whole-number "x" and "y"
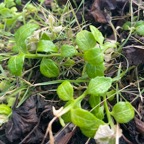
{"x": 24, "y": 119}
{"x": 134, "y": 55}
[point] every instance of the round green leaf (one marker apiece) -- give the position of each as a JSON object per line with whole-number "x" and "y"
{"x": 85, "y": 40}
{"x": 22, "y": 34}
{"x": 123, "y": 112}
{"x": 68, "y": 51}
{"x": 99, "y": 85}
{"x": 65, "y": 91}
{"x": 15, "y": 64}
{"x": 94, "y": 56}
{"x": 49, "y": 68}
{"x": 46, "y": 46}
{"x": 140, "y": 30}
{"x": 4, "y": 109}
{"x": 126, "y": 25}
{"x": 97, "y": 34}
{"x": 139, "y": 23}
{"x": 93, "y": 71}
{"x": 84, "y": 118}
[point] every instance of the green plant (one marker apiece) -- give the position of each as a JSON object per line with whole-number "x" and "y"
{"x": 36, "y": 40}
{"x": 92, "y": 48}
{"x": 137, "y": 27}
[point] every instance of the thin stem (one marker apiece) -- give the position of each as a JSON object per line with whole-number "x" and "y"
{"x": 41, "y": 55}
{"x": 108, "y": 113}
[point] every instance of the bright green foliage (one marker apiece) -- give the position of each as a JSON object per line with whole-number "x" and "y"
{"x": 123, "y": 112}
{"x": 127, "y": 25}
{"x": 68, "y": 51}
{"x": 97, "y": 34}
{"x": 98, "y": 110}
{"x": 9, "y": 3}
{"x": 138, "y": 27}
{"x": 93, "y": 71}
{"x": 15, "y": 64}
{"x": 4, "y": 109}
{"x": 85, "y": 40}
{"x": 46, "y": 46}
{"x": 4, "y": 85}
{"x": 140, "y": 30}
{"x": 94, "y": 56}
{"x": 65, "y": 91}
{"x": 22, "y": 34}
{"x": 94, "y": 101}
{"x": 99, "y": 85}
{"x": 49, "y": 68}
{"x": 86, "y": 121}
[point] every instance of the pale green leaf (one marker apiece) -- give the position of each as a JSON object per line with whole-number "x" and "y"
{"x": 123, "y": 112}
{"x": 93, "y": 71}
{"x": 140, "y": 30}
{"x": 85, "y": 40}
{"x": 99, "y": 85}
{"x": 68, "y": 51}
{"x": 4, "y": 109}
{"x": 97, "y": 34}
{"x": 94, "y": 56}
{"x": 46, "y": 46}
{"x": 15, "y": 64}
{"x": 49, "y": 68}
{"x": 84, "y": 118}
{"x": 22, "y": 34}
{"x": 65, "y": 91}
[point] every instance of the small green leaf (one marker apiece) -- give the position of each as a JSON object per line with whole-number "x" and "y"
{"x": 97, "y": 34}
{"x": 123, "y": 112}
{"x": 68, "y": 51}
{"x": 94, "y": 101}
{"x": 69, "y": 62}
{"x": 9, "y": 3}
{"x": 127, "y": 25}
{"x": 11, "y": 101}
{"x": 109, "y": 44}
{"x": 93, "y": 71}
{"x": 94, "y": 56}
{"x": 140, "y": 30}
{"x": 89, "y": 132}
{"x": 111, "y": 95}
{"x": 99, "y": 85}
{"x": 44, "y": 36}
{"x": 99, "y": 113}
{"x": 49, "y": 68}
{"x": 86, "y": 121}
{"x": 85, "y": 40}
{"x": 22, "y": 34}
{"x": 15, "y": 64}
{"x": 46, "y": 46}
{"x": 139, "y": 23}
{"x": 84, "y": 118}
{"x": 65, "y": 91}
{"x": 4, "y": 109}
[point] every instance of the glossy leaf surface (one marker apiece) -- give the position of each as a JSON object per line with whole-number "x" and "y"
{"x": 123, "y": 112}
{"x": 65, "y": 91}
{"x": 22, "y": 34}
{"x": 97, "y": 34}
{"x": 49, "y": 68}
{"x": 15, "y": 64}
{"x": 85, "y": 40}
{"x": 99, "y": 85}
{"x": 46, "y": 46}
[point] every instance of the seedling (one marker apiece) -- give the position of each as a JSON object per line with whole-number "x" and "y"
{"x": 31, "y": 42}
